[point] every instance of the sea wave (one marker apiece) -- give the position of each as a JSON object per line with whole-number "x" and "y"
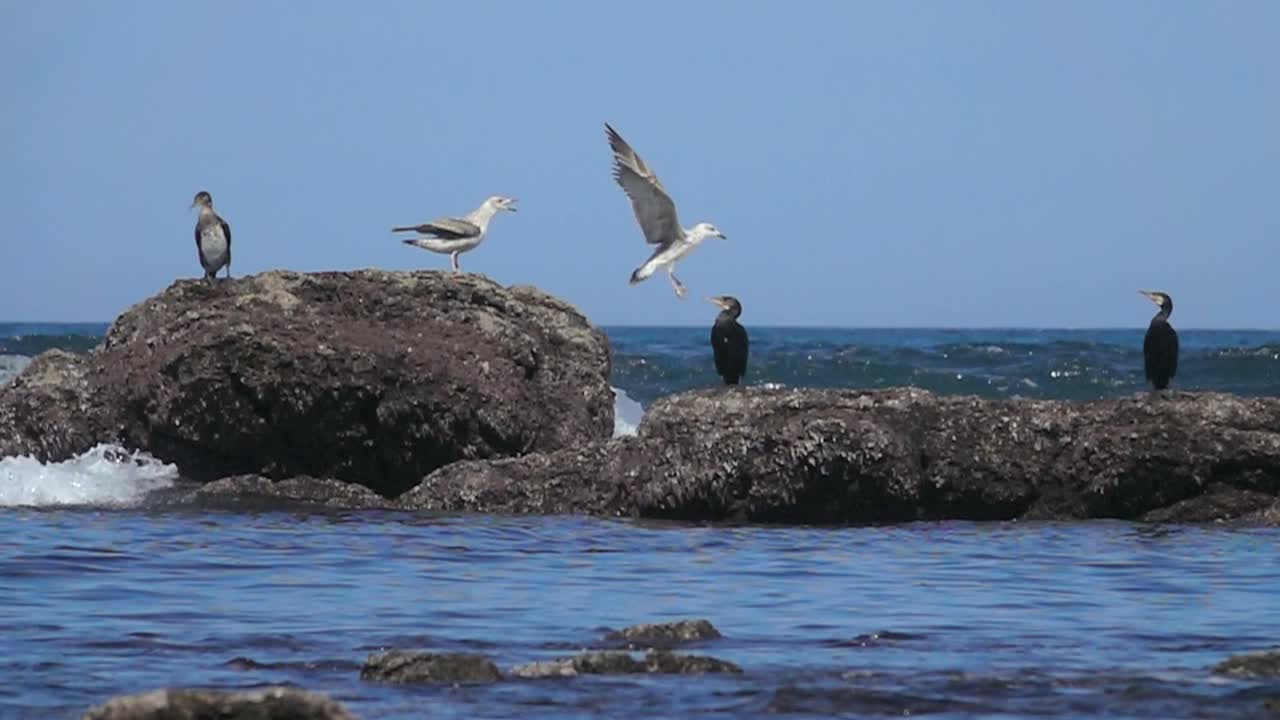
{"x": 11, "y": 366}
{"x": 32, "y": 345}
{"x": 626, "y": 414}
{"x": 107, "y": 475}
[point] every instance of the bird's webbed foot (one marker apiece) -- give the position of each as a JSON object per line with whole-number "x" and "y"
{"x": 679, "y": 287}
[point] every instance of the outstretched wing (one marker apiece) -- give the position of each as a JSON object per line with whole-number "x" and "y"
{"x": 655, "y": 211}
{"x": 447, "y": 228}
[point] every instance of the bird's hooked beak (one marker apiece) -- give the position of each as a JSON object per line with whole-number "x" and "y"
{"x": 1153, "y": 297}
{"x": 510, "y": 205}
{"x": 718, "y": 302}
{"x": 722, "y": 236}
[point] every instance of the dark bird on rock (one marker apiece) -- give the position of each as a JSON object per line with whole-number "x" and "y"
{"x": 1160, "y": 346}
{"x": 213, "y": 238}
{"x": 729, "y": 340}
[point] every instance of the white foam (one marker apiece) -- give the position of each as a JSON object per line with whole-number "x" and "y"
{"x": 106, "y": 475}
{"x": 11, "y": 366}
{"x": 626, "y": 414}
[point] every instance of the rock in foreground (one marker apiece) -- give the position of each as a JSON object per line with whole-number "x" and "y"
{"x": 665, "y": 635}
{"x": 1264, "y": 664}
{"x": 403, "y": 666}
{"x": 254, "y": 491}
{"x": 622, "y": 663}
{"x": 270, "y": 704}
{"x": 848, "y": 456}
{"x": 364, "y": 376}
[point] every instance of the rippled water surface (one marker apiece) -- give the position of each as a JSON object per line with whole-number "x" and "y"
{"x": 944, "y": 620}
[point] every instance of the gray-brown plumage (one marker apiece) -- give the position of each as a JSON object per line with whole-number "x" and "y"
{"x": 213, "y": 238}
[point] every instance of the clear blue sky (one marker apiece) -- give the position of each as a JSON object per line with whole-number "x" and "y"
{"x": 889, "y": 163}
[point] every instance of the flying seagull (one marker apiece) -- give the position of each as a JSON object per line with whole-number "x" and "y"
{"x": 453, "y": 236}
{"x": 656, "y": 213}
{"x": 213, "y": 238}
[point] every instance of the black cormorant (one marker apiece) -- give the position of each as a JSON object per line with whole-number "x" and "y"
{"x": 1160, "y": 347}
{"x": 729, "y": 340}
{"x": 213, "y": 238}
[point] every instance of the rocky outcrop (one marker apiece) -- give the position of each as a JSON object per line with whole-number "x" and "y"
{"x": 403, "y": 666}
{"x": 276, "y": 703}
{"x": 655, "y": 662}
{"x": 364, "y": 376}
{"x": 665, "y": 635}
{"x": 847, "y": 456}
{"x": 49, "y": 411}
{"x": 1263, "y": 664}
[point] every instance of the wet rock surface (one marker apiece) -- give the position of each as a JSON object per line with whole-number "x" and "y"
{"x": 403, "y": 666}
{"x": 1264, "y": 664}
{"x": 615, "y": 662}
{"x": 364, "y": 376}
{"x": 48, "y": 411}
{"x": 255, "y": 491}
{"x": 665, "y": 635}
{"x": 847, "y": 456}
{"x": 190, "y": 704}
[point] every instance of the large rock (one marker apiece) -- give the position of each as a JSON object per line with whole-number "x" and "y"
{"x": 365, "y": 376}
{"x": 840, "y": 456}
{"x": 49, "y": 411}
{"x": 275, "y": 703}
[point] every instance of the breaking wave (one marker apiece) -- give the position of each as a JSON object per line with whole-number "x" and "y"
{"x": 626, "y": 414}
{"x": 106, "y": 475}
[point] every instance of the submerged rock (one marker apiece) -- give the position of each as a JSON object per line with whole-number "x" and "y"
{"x": 665, "y": 635}
{"x": 364, "y": 376}
{"x": 403, "y": 666}
{"x": 623, "y": 663}
{"x": 257, "y": 491}
{"x": 1251, "y": 665}
{"x": 850, "y": 456}
{"x": 276, "y": 703}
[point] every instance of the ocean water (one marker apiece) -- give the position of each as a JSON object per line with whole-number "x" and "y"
{"x": 102, "y": 593}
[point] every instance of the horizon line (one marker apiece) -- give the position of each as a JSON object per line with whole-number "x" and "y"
{"x": 646, "y": 326}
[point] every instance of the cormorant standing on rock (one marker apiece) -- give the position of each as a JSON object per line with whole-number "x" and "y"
{"x": 1160, "y": 347}
{"x": 729, "y": 340}
{"x": 213, "y": 238}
